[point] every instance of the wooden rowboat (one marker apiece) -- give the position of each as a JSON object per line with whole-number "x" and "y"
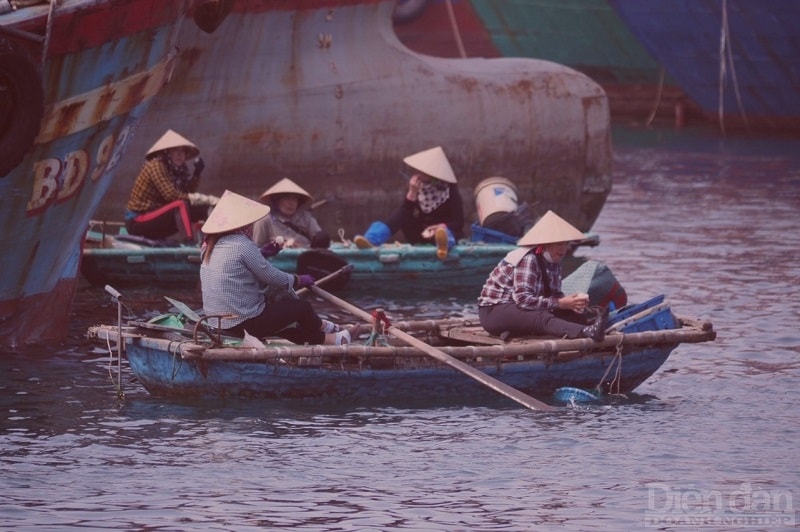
{"x": 129, "y": 261}
{"x": 186, "y": 362}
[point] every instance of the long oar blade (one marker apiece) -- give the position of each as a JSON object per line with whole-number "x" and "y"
{"x": 441, "y": 356}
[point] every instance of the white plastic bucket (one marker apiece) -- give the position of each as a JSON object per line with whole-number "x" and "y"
{"x": 493, "y": 195}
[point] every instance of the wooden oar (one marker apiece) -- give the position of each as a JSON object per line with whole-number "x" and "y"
{"x": 320, "y": 263}
{"x": 331, "y": 276}
{"x": 441, "y": 356}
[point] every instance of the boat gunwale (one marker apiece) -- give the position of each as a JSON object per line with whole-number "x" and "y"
{"x": 690, "y": 331}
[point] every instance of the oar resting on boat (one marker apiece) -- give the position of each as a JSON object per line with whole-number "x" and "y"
{"x": 441, "y": 356}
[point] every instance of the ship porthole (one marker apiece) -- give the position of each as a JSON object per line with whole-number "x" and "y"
{"x": 21, "y": 104}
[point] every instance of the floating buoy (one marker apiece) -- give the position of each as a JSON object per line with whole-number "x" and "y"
{"x": 21, "y": 104}
{"x": 568, "y": 394}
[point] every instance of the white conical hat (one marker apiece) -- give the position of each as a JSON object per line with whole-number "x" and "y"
{"x": 170, "y": 139}
{"x": 232, "y": 212}
{"x": 285, "y": 186}
{"x": 432, "y": 162}
{"x": 549, "y": 229}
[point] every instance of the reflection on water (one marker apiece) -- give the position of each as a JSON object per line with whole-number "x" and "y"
{"x": 710, "y": 223}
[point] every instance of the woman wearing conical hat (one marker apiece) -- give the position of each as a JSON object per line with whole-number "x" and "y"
{"x": 164, "y": 198}
{"x": 289, "y": 218}
{"x": 523, "y": 297}
{"x": 237, "y": 281}
{"x": 432, "y": 210}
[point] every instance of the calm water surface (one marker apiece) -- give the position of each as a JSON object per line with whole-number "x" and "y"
{"x": 712, "y": 437}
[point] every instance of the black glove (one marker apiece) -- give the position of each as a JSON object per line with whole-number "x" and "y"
{"x": 321, "y": 239}
{"x": 198, "y": 167}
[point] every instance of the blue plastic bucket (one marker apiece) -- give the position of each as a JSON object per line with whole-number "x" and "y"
{"x": 567, "y": 394}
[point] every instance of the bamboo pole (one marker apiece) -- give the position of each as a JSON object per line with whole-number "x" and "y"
{"x": 527, "y": 348}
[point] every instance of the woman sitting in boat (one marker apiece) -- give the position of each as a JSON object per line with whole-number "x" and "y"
{"x": 432, "y": 210}
{"x": 289, "y": 218}
{"x": 523, "y": 297}
{"x": 239, "y": 282}
{"x": 164, "y": 200}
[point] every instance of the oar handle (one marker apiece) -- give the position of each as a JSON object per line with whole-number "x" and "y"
{"x": 327, "y": 278}
{"x": 441, "y": 356}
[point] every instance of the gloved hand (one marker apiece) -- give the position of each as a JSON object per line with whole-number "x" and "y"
{"x": 270, "y": 249}
{"x": 302, "y": 281}
{"x": 199, "y": 164}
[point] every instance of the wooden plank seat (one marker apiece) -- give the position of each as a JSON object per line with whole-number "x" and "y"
{"x": 477, "y": 335}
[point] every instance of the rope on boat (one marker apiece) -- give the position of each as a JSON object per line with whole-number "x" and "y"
{"x": 454, "y": 26}
{"x": 176, "y": 356}
{"x": 616, "y": 382}
{"x": 659, "y": 92}
{"x": 343, "y": 239}
{"x": 379, "y": 325}
{"x": 48, "y": 32}
{"x": 726, "y": 56}
{"x": 118, "y": 383}
{"x": 117, "y": 297}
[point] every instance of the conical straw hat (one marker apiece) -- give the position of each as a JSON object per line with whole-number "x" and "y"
{"x": 170, "y": 139}
{"x": 285, "y": 186}
{"x": 432, "y": 162}
{"x": 232, "y": 212}
{"x": 549, "y": 229}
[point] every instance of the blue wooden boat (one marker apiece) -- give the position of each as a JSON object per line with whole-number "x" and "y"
{"x": 181, "y": 361}
{"x": 133, "y": 261}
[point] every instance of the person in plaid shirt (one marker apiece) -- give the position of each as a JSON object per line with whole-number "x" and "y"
{"x": 164, "y": 198}
{"x": 523, "y": 296}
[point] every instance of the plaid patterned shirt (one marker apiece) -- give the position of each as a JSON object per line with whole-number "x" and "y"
{"x": 234, "y": 277}
{"x": 522, "y": 284}
{"x": 155, "y": 188}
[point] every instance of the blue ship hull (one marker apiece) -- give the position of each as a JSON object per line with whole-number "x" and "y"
{"x": 739, "y": 60}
